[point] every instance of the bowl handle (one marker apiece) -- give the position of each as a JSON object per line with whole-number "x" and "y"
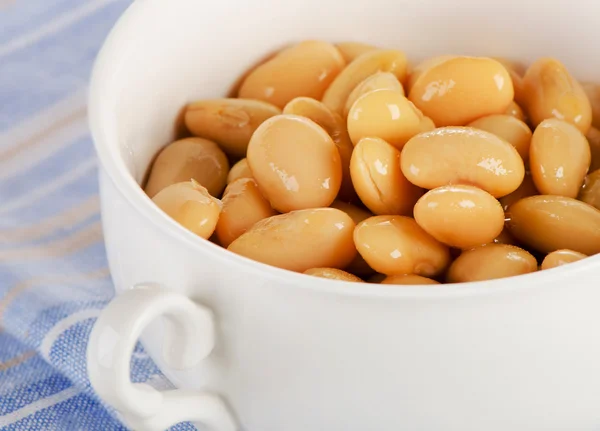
{"x": 191, "y": 336}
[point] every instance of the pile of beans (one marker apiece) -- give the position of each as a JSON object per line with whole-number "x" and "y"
{"x": 341, "y": 161}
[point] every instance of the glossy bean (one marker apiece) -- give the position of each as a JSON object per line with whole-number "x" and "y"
{"x": 526, "y": 189}
{"x": 516, "y": 71}
{"x": 490, "y": 262}
{"x": 306, "y": 69}
{"x": 423, "y": 66}
{"x": 593, "y": 137}
{"x": 512, "y": 130}
{"x": 380, "y": 60}
{"x": 229, "y": 122}
{"x": 351, "y": 50}
{"x": 397, "y": 245}
{"x": 514, "y": 110}
{"x": 590, "y": 192}
{"x": 460, "y": 216}
{"x": 333, "y": 274}
{"x": 277, "y": 157}
{"x": 239, "y": 170}
{"x": 505, "y": 237}
{"x": 409, "y": 279}
{"x": 243, "y": 206}
{"x": 356, "y": 213}
{"x": 512, "y": 65}
{"x": 462, "y": 155}
{"x": 593, "y": 93}
{"x": 190, "y": 205}
{"x": 551, "y": 92}
{"x": 548, "y": 223}
{"x": 300, "y": 240}
{"x": 377, "y": 81}
{"x": 378, "y": 179}
{"x": 358, "y": 266}
{"x": 561, "y": 257}
{"x": 559, "y": 158}
{"x": 189, "y": 158}
{"x": 385, "y": 114}
{"x": 335, "y": 126}
{"x": 459, "y": 90}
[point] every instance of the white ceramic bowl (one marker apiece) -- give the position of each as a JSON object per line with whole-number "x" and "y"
{"x": 286, "y": 352}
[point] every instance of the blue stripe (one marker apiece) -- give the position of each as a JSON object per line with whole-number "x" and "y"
{"x": 93, "y": 261}
{"x": 26, "y": 395}
{"x": 80, "y": 413}
{"x": 46, "y": 237}
{"x": 69, "y": 195}
{"x": 34, "y": 369}
{"x": 16, "y": 21}
{"x": 81, "y": 260}
{"x": 58, "y": 163}
{"x": 63, "y": 59}
{"x": 33, "y": 78}
{"x": 11, "y": 347}
{"x": 54, "y": 313}
{"x": 38, "y": 298}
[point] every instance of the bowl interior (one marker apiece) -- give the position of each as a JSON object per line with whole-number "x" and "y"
{"x": 162, "y": 55}
{"x": 170, "y": 53}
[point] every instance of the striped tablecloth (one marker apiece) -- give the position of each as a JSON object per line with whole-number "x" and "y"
{"x": 54, "y": 278}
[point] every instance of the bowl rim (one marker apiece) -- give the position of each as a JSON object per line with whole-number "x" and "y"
{"x": 113, "y": 51}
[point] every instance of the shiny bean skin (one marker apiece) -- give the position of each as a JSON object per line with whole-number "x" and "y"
{"x": 549, "y": 223}
{"x": 462, "y": 155}
{"x": 551, "y": 92}
{"x": 516, "y": 111}
{"x": 593, "y": 137}
{"x": 239, "y": 170}
{"x": 385, "y": 114}
{"x": 505, "y": 237}
{"x": 300, "y": 240}
{"x": 243, "y": 206}
{"x": 512, "y": 130}
{"x": 425, "y": 65}
{"x": 491, "y": 261}
{"x": 460, "y": 216}
{"x": 590, "y": 192}
{"x": 229, "y": 122}
{"x": 377, "y": 81}
{"x": 559, "y": 158}
{"x": 593, "y": 93}
{"x": 316, "y": 111}
{"x": 561, "y": 257}
{"x": 277, "y": 157}
{"x": 526, "y": 189}
{"x": 396, "y": 245}
{"x": 409, "y": 279}
{"x": 335, "y": 126}
{"x": 190, "y": 205}
{"x": 351, "y": 50}
{"x": 516, "y": 71}
{"x": 189, "y": 158}
{"x": 378, "y": 180}
{"x": 356, "y": 213}
{"x": 358, "y": 266}
{"x": 306, "y": 69}
{"x": 459, "y": 90}
{"x": 333, "y": 274}
{"x": 511, "y": 65}
{"x": 380, "y": 60}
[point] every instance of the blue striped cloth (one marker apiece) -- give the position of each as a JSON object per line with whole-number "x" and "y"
{"x": 53, "y": 271}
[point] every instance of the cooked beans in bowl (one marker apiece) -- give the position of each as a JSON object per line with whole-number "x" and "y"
{"x": 343, "y": 161}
